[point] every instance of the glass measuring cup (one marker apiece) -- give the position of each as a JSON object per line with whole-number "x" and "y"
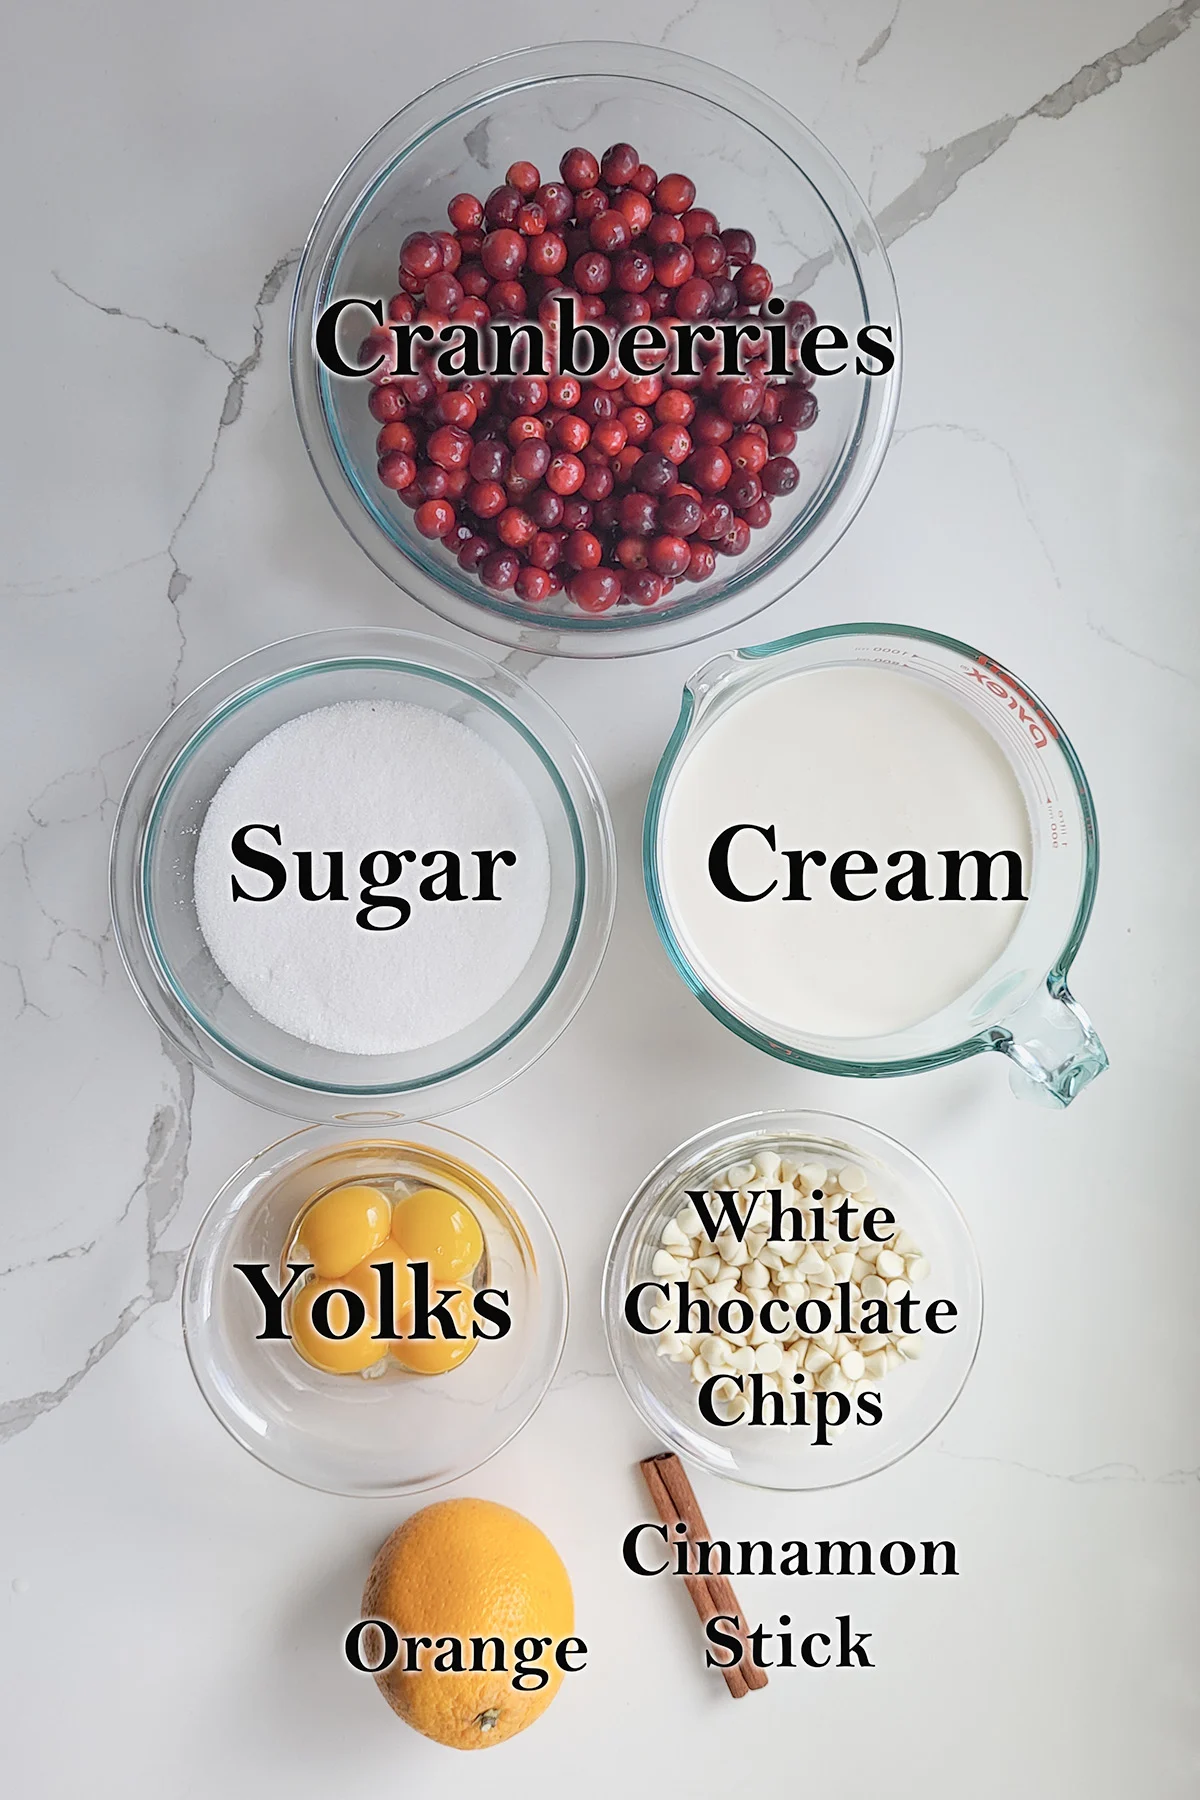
{"x": 1021, "y": 1004}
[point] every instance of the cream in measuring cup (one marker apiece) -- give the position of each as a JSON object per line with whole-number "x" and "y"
{"x": 867, "y": 849}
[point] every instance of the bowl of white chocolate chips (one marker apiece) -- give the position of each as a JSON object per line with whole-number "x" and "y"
{"x": 792, "y": 1300}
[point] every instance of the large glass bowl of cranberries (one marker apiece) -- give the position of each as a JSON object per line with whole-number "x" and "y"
{"x": 607, "y": 516}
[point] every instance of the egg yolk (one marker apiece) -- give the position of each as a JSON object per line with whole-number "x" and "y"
{"x": 434, "y": 1356}
{"x": 338, "y": 1355}
{"x": 436, "y": 1228}
{"x": 342, "y": 1228}
{"x": 365, "y": 1276}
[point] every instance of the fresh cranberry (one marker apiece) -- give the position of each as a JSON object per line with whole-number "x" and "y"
{"x": 619, "y": 165}
{"x": 531, "y": 220}
{"x": 631, "y": 552}
{"x": 781, "y": 440}
{"x": 635, "y": 209}
{"x": 577, "y": 513}
{"x": 747, "y": 452}
{"x": 571, "y": 433}
{"x": 434, "y": 518}
{"x": 395, "y": 436}
{"x": 668, "y": 555}
{"x": 710, "y": 468}
{"x": 637, "y": 422}
{"x": 702, "y": 563}
{"x": 597, "y": 482}
{"x": 589, "y": 205}
{"x": 533, "y": 585}
{"x": 579, "y": 169}
{"x": 711, "y": 427}
{"x": 450, "y": 248}
{"x": 644, "y": 588}
{"x": 708, "y": 254}
{"x": 401, "y": 309}
{"x": 673, "y": 441}
{"x": 556, "y": 201}
{"x": 694, "y": 299}
{"x": 457, "y": 483}
{"x": 499, "y": 570}
{"x": 472, "y": 552}
{"x": 725, "y": 295}
{"x": 443, "y": 293}
{"x": 680, "y": 515}
{"x": 742, "y": 490}
{"x": 528, "y": 393}
{"x": 780, "y": 476}
{"x": 610, "y": 436}
{"x": 592, "y": 272}
{"x": 591, "y": 306}
{"x": 397, "y": 469}
{"x": 740, "y": 398}
{"x": 474, "y": 279}
{"x": 798, "y": 409}
{"x": 736, "y": 539}
{"x": 610, "y": 232}
{"x": 503, "y": 253}
{"x": 455, "y": 408}
{"x": 716, "y": 518}
{"x": 799, "y": 317}
{"x": 547, "y": 254}
{"x": 659, "y": 299}
{"x": 643, "y": 390}
{"x": 663, "y": 230}
{"x": 471, "y": 312}
{"x": 674, "y": 407}
{"x": 545, "y": 508}
{"x": 420, "y": 255}
{"x": 739, "y": 246}
{"x": 595, "y": 590}
{"x": 674, "y": 194}
{"x": 387, "y": 403}
{"x": 502, "y": 205}
{"x": 465, "y": 212}
{"x": 525, "y": 425}
{"x": 470, "y": 243}
{"x": 638, "y": 514}
{"x": 758, "y": 515}
{"x": 545, "y": 548}
{"x": 449, "y": 447}
{"x": 673, "y": 266}
{"x": 596, "y": 403}
{"x": 644, "y": 179}
{"x": 489, "y": 460}
{"x": 515, "y": 528}
{"x": 565, "y": 474}
{"x": 653, "y": 472}
{"x": 486, "y": 499}
{"x": 531, "y": 459}
{"x": 754, "y": 284}
{"x": 524, "y": 177}
{"x": 583, "y": 550}
{"x": 699, "y": 222}
{"x": 630, "y": 309}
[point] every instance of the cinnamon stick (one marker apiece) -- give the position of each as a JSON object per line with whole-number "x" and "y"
{"x": 675, "y": 1502}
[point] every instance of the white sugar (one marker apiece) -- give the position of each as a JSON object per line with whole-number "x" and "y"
{"x": 359, "y": 777}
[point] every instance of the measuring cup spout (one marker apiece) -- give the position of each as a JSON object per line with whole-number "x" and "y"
{"x": 1052, "y": 1046}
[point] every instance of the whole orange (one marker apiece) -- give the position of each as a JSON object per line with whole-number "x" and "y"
{"x": 469, "y": 1569}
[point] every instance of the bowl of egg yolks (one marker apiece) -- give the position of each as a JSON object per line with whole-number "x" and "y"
{"x": 375, "y": 1310}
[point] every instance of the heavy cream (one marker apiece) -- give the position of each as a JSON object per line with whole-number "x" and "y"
{"x": 844, "y": 852}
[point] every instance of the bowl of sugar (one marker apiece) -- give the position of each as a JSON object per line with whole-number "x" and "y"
{"x": 362, "y": 870}
{"x": 870, "y": 850}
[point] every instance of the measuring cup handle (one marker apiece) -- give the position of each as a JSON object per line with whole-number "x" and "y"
{"x": 1052, "y": 1046}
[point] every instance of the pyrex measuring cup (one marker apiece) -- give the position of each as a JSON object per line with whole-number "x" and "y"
{"x": 1021, "y": 1005}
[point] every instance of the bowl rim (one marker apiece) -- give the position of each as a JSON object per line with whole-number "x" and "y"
{"x": 243, "y": 682}
{"x": 459, "y": 1144}
{"x": 799, "y": 1121}
{"x": 831, "y": 510}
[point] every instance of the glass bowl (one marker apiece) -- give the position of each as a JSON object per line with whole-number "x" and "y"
{"x": 163, "y": 809}
{"x": 916, "y": 1397}
{"x": 398, "y": 1433}
{"x": 753, "y": 164}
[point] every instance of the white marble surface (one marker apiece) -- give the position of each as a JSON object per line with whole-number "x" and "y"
{"x": 171, "y": 1611}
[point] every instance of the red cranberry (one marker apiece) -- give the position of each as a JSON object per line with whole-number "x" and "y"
{"x": 545, "y": 548}
{"x": 800, "y": 317}
{"x": 397, "y": 469}
{"x": 431, "y": 482}
{"x": 725, "y": 296}
{"x": 635, "y": 209}
{"x": 595, "y": 404}
{"x": 674, "y": 194}
{"x": 758, "y": 515}
{"x": 528, "y": 393}
{"x": 526, "y": 425}
{"x": 638, "y": 514}
{"x": 610, "y": 436}
{"x": 595, "y": 590}
{"x": 702, "y": 563}
{"x": 524, "y": 177}
{"x": 503, "y": 254}
{"x": 455, "y": 408}
{"x": 531, "y": 459}
{"x": 674, "y": 407}
{"x": 739, "y": 246}
{"x": 457, "y": 483}
{"x": 386, "y": 403}
{"x": 565, "y": 474}
{"x": 434, "y": 518}
{"x": 668, "y": 555}
{"x": 673, "y": 266}
{"x": 740, "y": 398}
{"x": 716, "y": 518}
{"x": 579, "y": 169}
{"x": 592, "y": 272}
{"x": 443, "y": 293}
{"x": 565, "y": 390}
{"x": 531, "y": 220}
{"x": 556, "y": 201}
{"x": 659, "y": 299}
{"x": 644, "y": 390}
{"x": 395, "y": 436}
{"x": 781, "y": 440}
{"x": 465, "y": 212}
{"x": 533, "y": 585}
{"x": 736, "y": 539}
{"x": 474, "y": 279}
{"x": 577, "y": 513}
{"x": 450, "y": 248}
{"x": 545, "y": 508}
{"x": 680, "y": 515}
{"x": 589, "y": 205}
{"x": 489, "y": 460}
{"x": 653, "y": 472}
{"x": 644, "y": 588}
{"x": 747, "y": 452}
{"x": 742, "y": 490}
{"x": 515, "y": 528}
{"x": 698, "y": 222}
{"x": 663, "y": 230}
{"x": 420, "y": 255}
{"x": 598, "y": 482}
{"x": 711, "y": 428}
{"x": 502, "y": 205}
{"x": 694, "y": 299}
{"x": 644, "y": 179}
{"x": 571, "y": 433}
{"x": 610, "y": 232}
{"x": 472, "y": 552}
{"x": 470, "y": 243}
{"x": 486, "y": 499}
{"x": 780, "y": 476}
{"x": 708, "y": 253}
{"x": 547, "y": 254}
{"x": 798, "y": 409}
{"x": 449, "y": 447}
{"x": 630, "y": 309}
{"x": 631, "y": 552}
{"x": 673, "y": 441}
{"x": 619, "y": 165}
{"x": 401, "y": 309}
{"x": 499, "y": 570}
{"x": 583, "y": 550}
{"x": 754, "y": 284}
{"x": 591, "y": 306}
{"x": 710, "y": 468}
{"x": 637, "y": 422}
